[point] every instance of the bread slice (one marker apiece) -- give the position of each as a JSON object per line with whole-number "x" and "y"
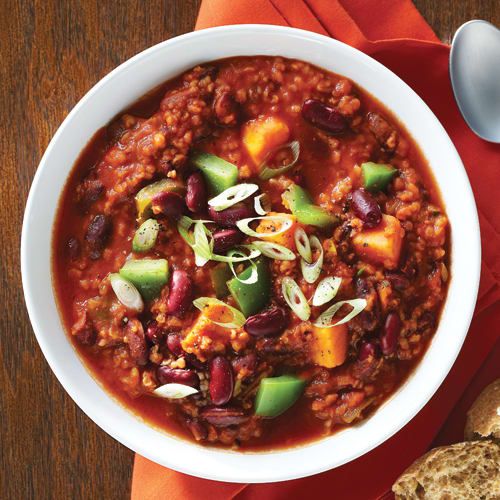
{"x": 464, "y": 471}
{"x": 483, "y": 418}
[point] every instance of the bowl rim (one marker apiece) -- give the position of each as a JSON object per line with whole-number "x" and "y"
{"x": 262, "y": 473}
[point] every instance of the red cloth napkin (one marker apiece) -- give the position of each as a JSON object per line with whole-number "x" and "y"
{"x": 394, "y": 33}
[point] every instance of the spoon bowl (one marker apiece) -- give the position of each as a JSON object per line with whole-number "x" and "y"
{"x": 475, "y": 77}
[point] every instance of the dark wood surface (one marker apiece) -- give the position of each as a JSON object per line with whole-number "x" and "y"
{"x": 51, "y": 53}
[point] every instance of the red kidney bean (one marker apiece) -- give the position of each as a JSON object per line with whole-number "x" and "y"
{"x": 230, "y": 216}
{"x": 398, "y": 280}
{"x": 226, "y": 109}
{"x": 196, "y": 193}
{"x": 86, "y": 334}
{"x": 270, "y": 322}
{"x": 367, "y": 350}
{"x": 181, "y": 293}
{"x": 97, "y": 235}
{"x": 89, "y": 192}
{"x": 198, "y": 430}
{"x": 194, "y": 362}
{"x": 246, "y": 364}
{"x": 223, "y": 417}
{"x": 323, "y": 116}
{"x": 167, "y": 375}
{"x": 225, "y": 239}
{"x": 169, "y": 204}
{"x": 366, "y": 208}
{"x": 390, "y": 335}
{"x": 154, "y": 333}
{"x": 174, "y": 344}
{"x": 137, "y": 342}
{"x": 221, "y": 380}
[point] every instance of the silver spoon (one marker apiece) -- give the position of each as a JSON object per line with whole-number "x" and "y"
{"x": 475, "y": 77}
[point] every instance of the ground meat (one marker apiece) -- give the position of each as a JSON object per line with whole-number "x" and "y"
{"x": 385, "y": 134}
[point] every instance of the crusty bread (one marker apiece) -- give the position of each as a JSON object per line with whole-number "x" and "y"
{"x": 483, "y": 418}
{"x": 464, "y": 471}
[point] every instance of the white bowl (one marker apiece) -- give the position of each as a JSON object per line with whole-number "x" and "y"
{"x": 121, "y": 88}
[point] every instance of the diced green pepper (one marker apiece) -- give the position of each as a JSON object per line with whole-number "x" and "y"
{"x": 252, "y": 298}
{"x": 301, "y": 205}
{"x": 219, "y": 173}
{"x": 220, "y": 275}
{"x": 148, "y": 275}
{"x": 145, "y": 196}
{"x": 377, "y": 176}
{"x": 277, "y": 394}
{"x": 145, "y": 236}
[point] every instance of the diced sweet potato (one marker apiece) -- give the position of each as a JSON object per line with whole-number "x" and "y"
{"x": 382, "y": 244}
{"x": 270, "y": 226}
{"x": 329, "y": 345}
{"x": 262, "y": 135}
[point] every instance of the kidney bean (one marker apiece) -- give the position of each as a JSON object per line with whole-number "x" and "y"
{"x": 137, "y": 342}
{"x": 198, "y": 430}
{"x": 398, "y": 280}
{"x": 229, "y": 217}
{"x": 194, "y": 362}
{"x": 367, "y": 350}
{"x": 196, "y": 193}
{"x": 221, "y": 380}
{"x": 323, "y": 116}
{"x": 226, "y": 109}
{"x": 86, "y": 333}
{"x": 245, "y": 364}
{"x": 174, "y": 344}
{"x": 226, "y": 239}
{"x": 223, "y": 417}
{"x": 270, "y": 322}
{"x": 368, "y": 320}
{"x": 366, "y": 208}
{"x": 154, "y": 333}
{"x": 167, "y": 375}
{"x": 97, "y": 235}
{"x": 181, "y": 293}
{"x": 169, "y": 204}
{"x": 390, "y": 335}
{"x": 89, "y": 192}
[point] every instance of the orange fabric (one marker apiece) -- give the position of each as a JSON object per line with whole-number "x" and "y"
{"x": 393, "y": 32}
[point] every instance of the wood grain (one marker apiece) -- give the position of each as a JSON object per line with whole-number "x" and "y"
{"x": 51, "y": 53}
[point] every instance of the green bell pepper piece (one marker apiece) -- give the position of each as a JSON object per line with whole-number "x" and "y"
{"x": 148, "y": 275}
{"x": 377, "y": 176}
{"x": 277, "y": 394}
{"x": 219, "y": 173}
{"x": 143, "y": 199}
{"x": 252, "y": 298}
{"x": 220, "y": 275}
{"x": 301, "y": 205}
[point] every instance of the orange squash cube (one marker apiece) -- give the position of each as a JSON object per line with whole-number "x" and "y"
{"x": 382, "y": 244}
{"x": 286, "y": 238}
{"x": 262, "y": 135}
{"x": 329, "y": 345}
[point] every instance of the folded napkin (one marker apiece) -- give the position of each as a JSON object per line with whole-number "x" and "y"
{"x": 394, "y": 33}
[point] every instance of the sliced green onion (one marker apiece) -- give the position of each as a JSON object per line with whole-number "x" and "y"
{"x": 295, "y": 298}
{"x": 262, "y": 204}
{"x": 274, "y": 251}
{"x": 267, "y": 172}
{"x": 254, "y": 275}
{"x": 198, "y": 240}
{"x": 145, "y": 236}
{"x": 244, "y": 225}
{"x": 303, "y": 245}
{"x": 237, "y": 320}
{"x": 312, "y": 271}
{"x": 126, "y": 293}
{"x": 254, "y": 253}
{"x": 325, "y": 319}
{"x": 326, "y": 290}
{"x": 232, "y": 195}
{"x": 174, "y": 391}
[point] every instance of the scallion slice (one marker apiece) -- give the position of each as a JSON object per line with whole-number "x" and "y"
{"x": 254, "y": 275}
{"x": 303, "y": 245}
{"x": 312, "y": 271}
{"x": 325, "y": 319}
{"x": 126, "y": 293}
{"x": 237, "y": 318}
{"x": 145, "y": 236}
{"x": 326, "y": 290}
{"x": 253, "y": 254}
{"x": 273, "y": 250}
{"x": 232, "y": 195}
{"x": 244, "y": 225}
{"x": 262, "y": 204}
{"x": 197, "y": 240}
{"x": 295, "y": 298}
{"x": 267, "y": 172}
{"x": 174, "y": 391}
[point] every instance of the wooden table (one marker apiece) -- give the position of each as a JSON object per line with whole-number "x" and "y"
{"x": 51, "y": 53}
